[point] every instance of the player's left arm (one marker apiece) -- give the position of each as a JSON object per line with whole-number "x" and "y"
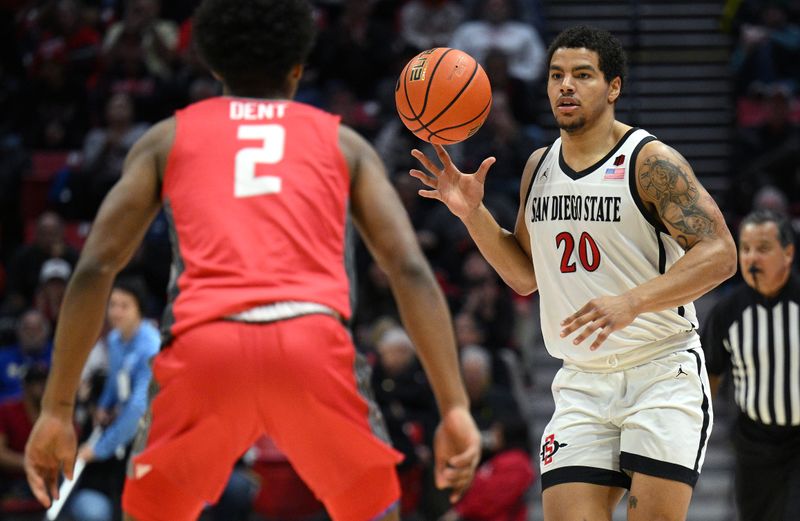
{"x": 671, "y": 192}
{"x": 669, "y": 187}
{"x": 116, "y": 232}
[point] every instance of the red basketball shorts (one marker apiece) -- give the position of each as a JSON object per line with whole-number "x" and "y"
{"x": 224, "y": 384}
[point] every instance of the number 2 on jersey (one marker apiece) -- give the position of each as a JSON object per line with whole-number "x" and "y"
{"x": 273, "y": 138}
{"x": 586, "y": 245}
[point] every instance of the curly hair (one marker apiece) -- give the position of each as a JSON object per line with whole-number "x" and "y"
{"x": 608, "y": 48}
{"x": 253, "y": 44}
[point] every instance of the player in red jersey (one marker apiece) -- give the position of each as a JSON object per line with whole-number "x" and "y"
{"x": 258, "y": 190}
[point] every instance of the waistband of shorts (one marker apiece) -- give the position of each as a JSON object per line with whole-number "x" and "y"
{"x": 637, "y": 355}
{"x": 283, "y": 311}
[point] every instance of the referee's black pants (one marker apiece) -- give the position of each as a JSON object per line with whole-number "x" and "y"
{"x": 767, "y": 472}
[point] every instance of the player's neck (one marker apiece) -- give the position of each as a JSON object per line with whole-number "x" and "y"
{"x": 584, "y": 147}
{"x": 265, "y": 95}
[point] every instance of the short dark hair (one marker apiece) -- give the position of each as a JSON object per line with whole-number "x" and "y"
{"x": 253, "y": 44}
{"x": 611, "y": 55}
{"x": 762, "y": 216}
{"x": 135, "y": 287}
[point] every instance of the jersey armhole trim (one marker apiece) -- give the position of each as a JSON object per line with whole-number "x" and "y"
{"x": 173, "y": 151}
{"x": 654, "y": 222}
{"x": 536, "y": 174}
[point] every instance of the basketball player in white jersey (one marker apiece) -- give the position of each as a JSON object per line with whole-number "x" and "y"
{"x": 619, "y": 237}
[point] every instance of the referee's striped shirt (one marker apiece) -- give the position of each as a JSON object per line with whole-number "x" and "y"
{"x": 758, "y": 340}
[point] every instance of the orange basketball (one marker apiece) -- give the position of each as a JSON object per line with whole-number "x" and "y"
{"x": 443, "y": 96}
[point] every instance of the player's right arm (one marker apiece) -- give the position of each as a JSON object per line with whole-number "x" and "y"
{"x": 509, "y": 253}
{"x": 386, "y": 229}
{"x": 116, "y": 232}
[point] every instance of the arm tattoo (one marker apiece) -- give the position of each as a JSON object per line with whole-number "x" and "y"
{"x": 633, "y": 501}
{"x": 676, "y": 196}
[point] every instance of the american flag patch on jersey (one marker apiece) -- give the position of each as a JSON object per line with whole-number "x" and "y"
{"x": 614, "y": 173}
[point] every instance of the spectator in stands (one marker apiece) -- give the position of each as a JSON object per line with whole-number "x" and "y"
{"x": 425, "y": 24}
{"x": 488, "y": 300}
{"x": 126, "y": 70}
{"x": 768, "y": 154}
{"x": 33, "y": 346}
{"x": 501, "y": 136}
{"x": 14, "y": 163}
{"x": 404, "y": 396}
{"x": 498, "y": 492}
{"x": 521, "y": 104}
{"x": 355, "y": 49}
{"x": 488, "y": 402}
{"x": 497, "y": 27}
{"x": 67, "y": 33}
{"x": 767, "y": 50}
{"x": 58, "y": 117}
{"x": 131, "y": 344}
{"x": 157, "y": 38}
{"x": 17, "y": 417}
{"x": 104, "y": 151}
{"x": 26, "y": 263}
{"x": 52, "y": 284}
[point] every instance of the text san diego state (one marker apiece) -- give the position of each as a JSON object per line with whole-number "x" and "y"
{"x": 575, "y": 208}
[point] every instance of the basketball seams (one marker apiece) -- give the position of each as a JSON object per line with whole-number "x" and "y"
{"x": 489, "y": 104}
{"x": 430, "y": 81}
{"x": 458, "y": 106}
{"x": 452, "y": 101}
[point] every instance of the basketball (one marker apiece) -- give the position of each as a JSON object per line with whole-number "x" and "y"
{"x": 443, "y": 96}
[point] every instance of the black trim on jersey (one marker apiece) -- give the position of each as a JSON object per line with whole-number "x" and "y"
{"x": 178, "y": 267}
{"x": 581, "y": 474}
{"x": 704, "y": 407}
{"x": 657, "y": 468}
{"x": 662, "y": 254}
{"x": 586, "y": 171}
{"x": 654, "y": 221}
{"x": 662, "y": 268}
{"x": 536, "y": 173}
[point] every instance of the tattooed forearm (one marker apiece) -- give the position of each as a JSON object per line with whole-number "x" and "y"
{"x": 633, "y": 501}
{"x": 667, "y": 182}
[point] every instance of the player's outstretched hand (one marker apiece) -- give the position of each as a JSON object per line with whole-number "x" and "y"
{"x": 606, "y": 314}
{"x": 462, "y": 193}
{"x": 457, "y": 449}
{"x": 50, "y": 449}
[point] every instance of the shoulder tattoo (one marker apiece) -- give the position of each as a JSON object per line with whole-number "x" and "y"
{"x": 667, "y": 181}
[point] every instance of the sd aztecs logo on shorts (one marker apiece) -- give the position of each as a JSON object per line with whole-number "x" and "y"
{"x": 549, "y": 449}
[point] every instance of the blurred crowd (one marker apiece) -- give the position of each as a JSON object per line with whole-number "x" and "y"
{"x": 765, "y": 167}
{"x": 82, "y": 80}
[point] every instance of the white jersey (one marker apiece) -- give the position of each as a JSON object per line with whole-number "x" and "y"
{"x": 592, "y": 236}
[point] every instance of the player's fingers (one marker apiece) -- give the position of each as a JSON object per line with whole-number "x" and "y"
{"x": 576, "y": 323}
{"x": 458, "y": 489}
{"x": 587, "y": 331}
{"x": 443, "y": 156}
{"x": 601, "y": 337}
{"x": 483, "y": 170}
{"x": 430, "y": 194}
{"x": 467, "y": 459}
{"x": 52, "y": 484}
{"x": 427, "y": 163}
{"x": 68, "y": 464}
{"x": 583, "y": 310}
{"x": 426, "y": 179}
{"x": 38, "y": 486}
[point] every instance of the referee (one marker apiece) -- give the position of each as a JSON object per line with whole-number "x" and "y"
{"x": 755, "y": 333}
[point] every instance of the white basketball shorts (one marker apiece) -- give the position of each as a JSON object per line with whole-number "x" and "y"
{"x": 655, "y": 419}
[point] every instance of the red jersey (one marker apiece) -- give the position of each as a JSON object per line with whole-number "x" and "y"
{"x": 256, "y": 193}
